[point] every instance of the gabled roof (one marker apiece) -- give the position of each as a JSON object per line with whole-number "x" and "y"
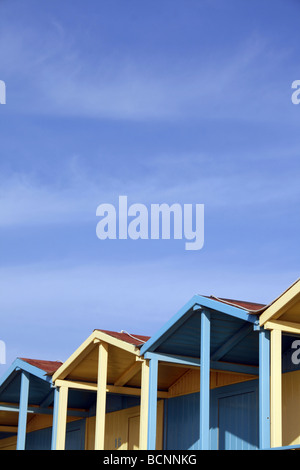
{"x": 286, "y": 307}
{"x": 136, "y": 340}
{"x": 82, "y": 364}
{"x": 233, "y": 325}
{"x": 40, "y": 382}
{"x": 47, "y": 366}
{"x": 251, "y": 307}
{"x": 38, "y": 368}
{"x": 187, "y": 313}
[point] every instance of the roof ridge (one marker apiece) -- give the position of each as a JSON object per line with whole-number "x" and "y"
{"x": 122, "y": 334}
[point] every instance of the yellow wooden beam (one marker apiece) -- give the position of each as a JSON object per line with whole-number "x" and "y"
{"x": 288, "y": 327}
{"x": 117, "y": 342}
{"x": 276, "y": 389}
{"x": 109, "y": 388}
{"x": 178, "y": 366}
{"x": 128, "y": 374}
{"x": 8, "y": 428}
{"x": 281, "y": 304}
{"x": 144, "y": 406}
{"x": 133, "y": 391}
{"x": 62, "y": 418}
{"x": 101, "y": 396}
{"x": 77, "y": 385}
{"x": 84, "y": 349}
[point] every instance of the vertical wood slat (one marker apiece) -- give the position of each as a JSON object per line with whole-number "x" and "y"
{"x": 62, "y": 417}
{"x": 152, "y": 410}
{"x": 204, "y": 380}
{"x": 143, "y": 438}
{"x": 264, "y": 389}
{"x": 276, "y": 389}
{"x": 55, "y": 419}
{"x": 23, "y": 407}
{"x": 101, "y": 396}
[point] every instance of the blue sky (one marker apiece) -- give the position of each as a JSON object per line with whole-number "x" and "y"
{"x": 172, "y": 101}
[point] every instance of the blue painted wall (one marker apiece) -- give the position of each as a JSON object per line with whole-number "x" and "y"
{"x": 41, "y": 439}
{"x": 75, "y": 434}
{"x": 182, "y": 422}
{"x": 233, "y": 419}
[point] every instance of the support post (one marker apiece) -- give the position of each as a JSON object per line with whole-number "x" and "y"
{"x": 152, "y": 411}
{"x": 55, "y": 418}
{"x": 144, "y": 406}
{"x": 23, "y": 408}
{"x": 264, "y": 389}
{"x": 276, "y": 389}
{"x": 62, "y": 417}
{"x": 204, "y": 380}
{"x": 101, "y": 396}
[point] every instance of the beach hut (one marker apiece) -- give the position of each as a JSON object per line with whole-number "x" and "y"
{"x": 108, "y": 366}
{"x": 26, "y": 397}
{"x": 240, "y": 382}
{"x": 220, "y": 374}
{"x": 26, "y": 408}
{"x": 224, "y": 356}
{"x": 282, "y": 319}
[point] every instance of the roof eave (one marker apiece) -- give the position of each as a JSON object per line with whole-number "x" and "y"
{"x": 281, "y": 304}
{"x": 183, "y": 314}
{"x": 86, "y": 347}
{"x": 18, "y": 365}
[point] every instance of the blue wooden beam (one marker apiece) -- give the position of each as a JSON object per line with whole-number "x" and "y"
{"x": 48, "y": 400}
{"x": 43, "y": 410}
{"x": 13, "y": 371}
{"x": 173, "y": 359}
{"x": 165, "y": 430}
{"x": 24, "y": 394}
{"x": 232, "y": 367}
{"x": 264, "y": 389}
{"x": 204, "y": 380}
{"x": 227, "y": 309}
{"x": 232, "y": 341}
{"x": 195, "y": 362}
{"x": 193, "y": 307}
{"x": 14, "y": 408}
{"x": 170, "y": 327}
{"x": 152, "y": 416}
{"x": 55, "y": 419}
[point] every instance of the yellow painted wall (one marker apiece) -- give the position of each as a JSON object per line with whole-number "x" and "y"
{"x": 36, "y": 422}
{"x": 291, "y": 408}
{"x": 122, "y": 426}
{"x": 122, "y": 429}
{"x": 190, "y": 381}
{"x": 9, "y": 443}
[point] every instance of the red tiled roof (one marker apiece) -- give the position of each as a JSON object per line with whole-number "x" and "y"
{"x": 249, "y": 306}
{"x": 48, "y": 366}
{"x": 136, "y": 340}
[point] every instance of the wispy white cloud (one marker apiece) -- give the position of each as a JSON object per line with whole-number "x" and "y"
{"x": 101, "y": 294}
{"x": 75, "y": 195}
{"x": 59, "y": 305}
{"x": 59, "y": 77}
